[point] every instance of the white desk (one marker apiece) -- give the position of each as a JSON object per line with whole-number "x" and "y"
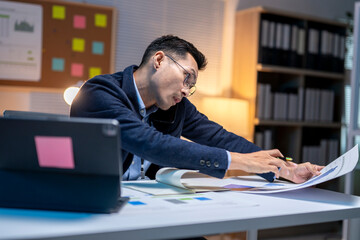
{"x": 159, "y": 221}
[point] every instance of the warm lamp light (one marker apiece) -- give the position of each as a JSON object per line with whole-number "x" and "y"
{"x": 231, "y": 113}
{"x": 70, "y": 92}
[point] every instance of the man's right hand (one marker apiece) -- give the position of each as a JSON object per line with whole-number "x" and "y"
{"x": 258, "y": 162}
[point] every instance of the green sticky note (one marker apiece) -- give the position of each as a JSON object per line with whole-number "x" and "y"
{"x": 98, "y": 48}
{"x": 100, "y": 20}
{"x": 78, "y": 44}
{"x": 58, "y": 64}
{"x": 58, "y": 12}
{"x": 93, "y": 71}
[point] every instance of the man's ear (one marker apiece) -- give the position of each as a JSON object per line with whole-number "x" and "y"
{"x": 158, "y": 58}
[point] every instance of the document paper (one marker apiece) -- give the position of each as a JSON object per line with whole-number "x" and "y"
{"x": 340, "y": 166}
{"x": 177, "y": 181}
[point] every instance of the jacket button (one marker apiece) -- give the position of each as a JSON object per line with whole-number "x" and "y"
{"x": 216, "y": 164}
{"x": 208, "y": 163}
{"x": 202, "y": 162}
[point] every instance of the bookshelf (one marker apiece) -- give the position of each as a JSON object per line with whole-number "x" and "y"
{"x": 290, "y": 67}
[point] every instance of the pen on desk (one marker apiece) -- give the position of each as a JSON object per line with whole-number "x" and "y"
{"x": 285, "y": 158}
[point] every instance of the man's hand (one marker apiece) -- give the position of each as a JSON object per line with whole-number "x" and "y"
{"x": 258, "y": 162}
{"x": 299, "y": 173}
{"x": 267, "y": 161}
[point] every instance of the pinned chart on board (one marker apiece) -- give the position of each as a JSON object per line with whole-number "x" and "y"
{"x": 20, "y": 41}
{"x": 69, "y": 42}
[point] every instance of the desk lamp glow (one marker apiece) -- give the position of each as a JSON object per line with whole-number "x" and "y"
{"x": 70, "y": 92}
{"x": 231, "y": 113}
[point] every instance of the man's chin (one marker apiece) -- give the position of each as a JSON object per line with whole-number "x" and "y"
{"x": 165, "y": 107}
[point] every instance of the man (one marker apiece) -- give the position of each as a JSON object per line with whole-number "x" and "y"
{"x": 151, "y": 104}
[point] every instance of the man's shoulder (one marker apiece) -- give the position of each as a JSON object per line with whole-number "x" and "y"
{"x": 117, "y": 80}
{"x": 187, "y": 106}
{"x": 117, "y": 77}
{"x": 186, "y": 103}
{"x": 101, "y": 93}
{"x": 106, "y": 78}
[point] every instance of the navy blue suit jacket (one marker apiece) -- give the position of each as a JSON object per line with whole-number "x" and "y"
{"x": 114, "y": 96}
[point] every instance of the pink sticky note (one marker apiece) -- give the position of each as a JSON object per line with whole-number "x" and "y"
{"x": 79, "y": 21}
{"x": 56, "y": 152}
{"x": 77, "y": 69}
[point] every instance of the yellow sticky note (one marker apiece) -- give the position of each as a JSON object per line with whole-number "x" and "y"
{"x": 100, "y": 20}
{"x": 93, "y": 71}
{"x": 58, "y": 12}
{"x": 78, "y": 44}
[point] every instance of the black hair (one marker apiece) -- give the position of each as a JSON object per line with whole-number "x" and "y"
{"x": 174, "y": 45}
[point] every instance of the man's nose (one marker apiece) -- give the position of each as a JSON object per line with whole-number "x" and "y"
{"x": 185, "y": 91}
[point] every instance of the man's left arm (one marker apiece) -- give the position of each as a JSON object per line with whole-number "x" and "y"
{"x": 198, "y": 128}
{"x": 246, "y": 155}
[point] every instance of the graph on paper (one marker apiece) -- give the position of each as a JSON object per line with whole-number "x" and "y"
{"x": 20, "y": 41}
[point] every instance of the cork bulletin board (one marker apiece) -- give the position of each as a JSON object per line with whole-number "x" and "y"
{"x": 77, "y": 43}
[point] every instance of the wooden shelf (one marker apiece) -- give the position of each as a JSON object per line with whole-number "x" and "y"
{"x": 259, "y": 122}
{"x": 298, "y": 71}
{"x": 257, "y": 69}
{"x": 265, "y": 71}
{"x": 263, "y": 9}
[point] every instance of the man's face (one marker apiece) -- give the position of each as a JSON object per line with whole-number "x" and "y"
{"x": 169, "y": 84}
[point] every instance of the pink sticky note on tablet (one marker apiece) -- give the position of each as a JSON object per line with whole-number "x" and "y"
{"x": 56, "y": 152}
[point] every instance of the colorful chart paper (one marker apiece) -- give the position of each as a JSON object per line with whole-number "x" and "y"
{"x": 100, "y": 20}
{"x": 58, "y": 12}
{"x": 78, "y": 45}
{"x": 79, "y": 22}
{"x": 58, "y": 64}
{"x": 98, "y": 48}
{"x": 77, "y": 69}
{"x": 93, "y": 71}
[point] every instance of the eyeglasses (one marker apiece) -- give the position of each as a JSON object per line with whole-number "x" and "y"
{"x": 190, "y": 79}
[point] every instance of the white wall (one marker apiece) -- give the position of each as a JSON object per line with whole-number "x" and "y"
{"x": 157, "y": 17}
{"x": 35, "y": 100}
{"x": 141, "y": 21}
